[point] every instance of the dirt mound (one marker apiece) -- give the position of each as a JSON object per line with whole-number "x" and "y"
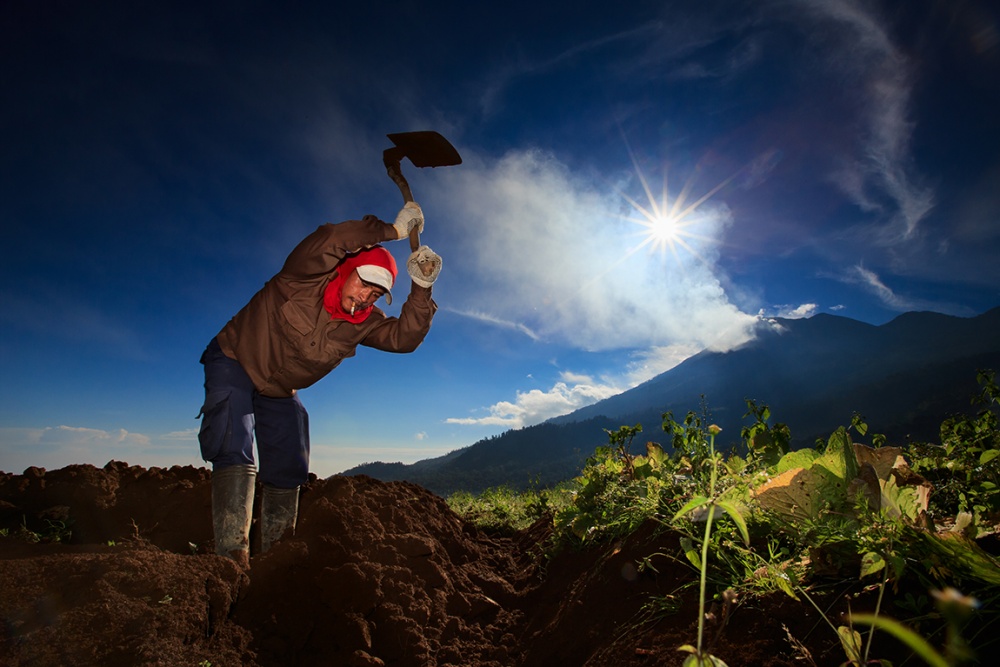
{"x": 376, "y": 574}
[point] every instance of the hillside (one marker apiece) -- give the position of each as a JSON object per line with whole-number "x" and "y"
{"x": 904, "y": 376}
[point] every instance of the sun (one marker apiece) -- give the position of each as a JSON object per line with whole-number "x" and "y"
{"x": 665, "y": 225}
{"x": 669, "y": 224}
{"x": 678, "y": 226}
{"x": 664, "y": 229}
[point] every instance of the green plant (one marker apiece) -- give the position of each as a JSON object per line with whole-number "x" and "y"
{"x": 766, "y": 442}
{"x": 918, "y": 644}
{"x": 504, "y": 511}
{"x": 690, "y": 444}
{"x": 53, "y": 530}
{"x": 616, "y": 490}
{"x": 954, "y": 607}
{"x": 621, "y": 445}
{"x": 843, "y": 512}
{"x": 850, "y": 639}
{"x": 965, "y": 467}
{"x": 699, "y": 655}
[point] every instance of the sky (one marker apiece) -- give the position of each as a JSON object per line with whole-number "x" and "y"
{"x": 640, "y": 181}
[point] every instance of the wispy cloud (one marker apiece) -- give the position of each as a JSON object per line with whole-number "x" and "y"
{"x": 884, "y": 79}
{"x": 480, "y": 316}
{"x": 523, "y": 64}
{"x": 186, "y": 435}
{"x": 871, "y": 281}
{"x": 48, "y": 315}
{"x": 54, "y": 447}
{"x": 81, "y": 435}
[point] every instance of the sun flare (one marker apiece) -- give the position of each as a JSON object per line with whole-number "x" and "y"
{"x": 677, "y": 226}
{"x": 670, "y": 224}
{"x": 664, "y": 229}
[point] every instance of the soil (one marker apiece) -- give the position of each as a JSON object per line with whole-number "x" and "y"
{"x": 376, "y": 574}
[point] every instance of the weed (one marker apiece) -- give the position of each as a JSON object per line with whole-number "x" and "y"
{"x": 503, "y": 511}
{"x": 53, "y": 530}
{"x": 965, "y": 467}
{"x": 768, "y": 443}
{"x": 699, "y": 654}
{"x": 841, "y": 510}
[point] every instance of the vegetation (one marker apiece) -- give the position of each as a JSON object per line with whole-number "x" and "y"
{"x": 762, "y": 519}
{"x": 51, "y": 530}
{"x": 504, "y": 511}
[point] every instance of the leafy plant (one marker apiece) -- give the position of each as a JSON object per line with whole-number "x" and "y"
{"x": 843, "y": 510}
{"x": 616, "y": 491}
{"x": 699, "y": 654}
{"x": 965, "y": 467}
{"x": 954, "y": 607}
{"x": 768, "y": 443}
{"x": 53, "y": 530}
{"x": 504, "y": 511}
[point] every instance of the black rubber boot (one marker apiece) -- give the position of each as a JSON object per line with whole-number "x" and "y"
{"x": 279, "y": 508}
{"x": 232, "y": 511}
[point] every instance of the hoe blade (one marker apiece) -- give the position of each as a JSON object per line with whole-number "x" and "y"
{"x": 425, "y": 148}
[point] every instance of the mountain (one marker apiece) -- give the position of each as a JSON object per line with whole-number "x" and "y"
{"x": 904, "y": 377}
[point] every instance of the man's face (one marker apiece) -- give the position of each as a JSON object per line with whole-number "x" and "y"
{"x": 358, "y": 294}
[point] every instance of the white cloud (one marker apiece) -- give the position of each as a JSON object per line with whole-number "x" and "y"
{"x": 883, "y": 82}
{"x": 534, "y": 406}
{"x": 657, "y": 360}
{"x": 790, "y": 312}
{"x": 554, "y": 255}
{"x": 557, "y": 257}
{"x": 577, "y": 390}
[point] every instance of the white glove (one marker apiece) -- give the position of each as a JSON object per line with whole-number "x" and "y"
{"x": 409, "y": 216}
{"x": 424, "y": 266}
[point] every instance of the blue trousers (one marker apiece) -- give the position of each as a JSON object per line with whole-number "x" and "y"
{"x": 234, "y": 411}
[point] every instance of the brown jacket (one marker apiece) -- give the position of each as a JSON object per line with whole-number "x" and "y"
{"x": 285, "y": 339}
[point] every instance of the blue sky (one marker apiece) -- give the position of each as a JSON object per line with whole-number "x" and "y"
{"x": 159, "y": 161}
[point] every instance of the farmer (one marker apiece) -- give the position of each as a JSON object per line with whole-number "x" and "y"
{"x": 304, "y": 321}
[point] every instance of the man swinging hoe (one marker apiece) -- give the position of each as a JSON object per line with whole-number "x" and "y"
{"x": 305, "y": 320}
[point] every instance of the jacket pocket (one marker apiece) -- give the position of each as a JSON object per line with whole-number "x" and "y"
{"x": 216, "y": 426}
{"x": 297, "y": 318}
